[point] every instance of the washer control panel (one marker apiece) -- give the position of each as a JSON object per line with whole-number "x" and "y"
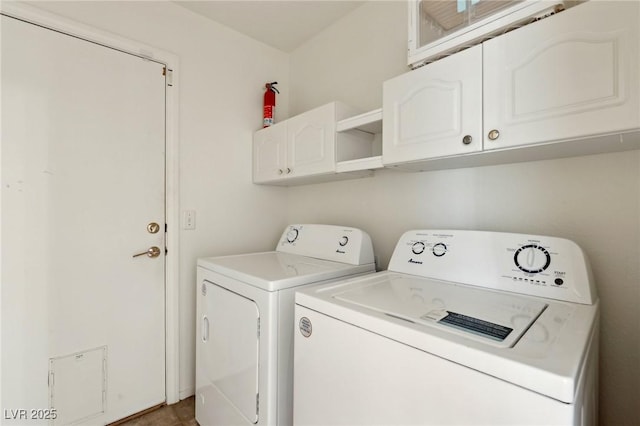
{"x": 542, "y": 266}
{"x": 329, "y": 242}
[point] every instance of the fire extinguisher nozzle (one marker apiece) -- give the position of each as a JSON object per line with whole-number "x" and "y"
{"x": 272, "y": 87}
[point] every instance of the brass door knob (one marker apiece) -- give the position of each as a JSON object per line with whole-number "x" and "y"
{"x": 151, "y": 252}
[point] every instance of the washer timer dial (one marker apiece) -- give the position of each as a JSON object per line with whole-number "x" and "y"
{"x": 532, "y": 258}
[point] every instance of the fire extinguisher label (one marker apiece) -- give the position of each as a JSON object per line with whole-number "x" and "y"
{"x": 268, "y": 116}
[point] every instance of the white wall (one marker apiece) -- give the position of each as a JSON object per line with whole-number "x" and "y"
{"x": 349, "y": 61}
{"x": 593, "y": 200}
{"x": 221, "y": 79}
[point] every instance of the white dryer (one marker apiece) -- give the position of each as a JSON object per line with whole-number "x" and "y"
{"x": 464, "y": 328}
{"x": 245, "y": 309}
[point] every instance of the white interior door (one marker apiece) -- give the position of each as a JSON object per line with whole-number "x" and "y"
{"x": 83, "y": 139}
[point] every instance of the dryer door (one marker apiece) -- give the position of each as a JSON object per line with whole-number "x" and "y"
{"x": 230, "y": 332}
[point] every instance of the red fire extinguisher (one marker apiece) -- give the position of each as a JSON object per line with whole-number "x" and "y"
{"x": 269, "y": 104}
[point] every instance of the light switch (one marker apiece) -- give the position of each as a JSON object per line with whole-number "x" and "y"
{"x": 189, "y": 219}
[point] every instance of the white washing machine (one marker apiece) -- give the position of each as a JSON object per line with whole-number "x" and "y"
{"x": 465, "y": 328}
{"x": 245, "y": 309}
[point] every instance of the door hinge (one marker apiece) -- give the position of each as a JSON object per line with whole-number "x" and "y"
{"x": 166, "y": 228}
{"x": 257, "y": 404}
{"x": 168, "y": 73}
{"x": 166, "y": 251}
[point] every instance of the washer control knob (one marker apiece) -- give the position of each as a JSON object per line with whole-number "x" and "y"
{"x": 417, "y": 248}
{"x": 292, "y": 235}
{"x": 532, "y": 258}
{"x": 439, "y": 249}
{"x": 343, "y": 241}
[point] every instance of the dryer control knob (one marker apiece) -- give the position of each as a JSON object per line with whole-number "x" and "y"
{"x": 418, "y": 247}
{"x": 439, "y": 249}
{"x": 292, "y": 235}
{"x": 343, "y": 241}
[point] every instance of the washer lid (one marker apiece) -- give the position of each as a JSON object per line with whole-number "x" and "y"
{"x": 547, "y": 357}
{"x": 498, "y": 319}
{"x": 273, "y": 271}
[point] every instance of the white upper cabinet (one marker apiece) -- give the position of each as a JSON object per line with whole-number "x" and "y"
{"x": 311, "y": 141}
{"x": 434, "y": 111}
{"x": 573, "y": 75}
{"x": 565, "y": 85}
{"x": 305, "y": 148}
{"x": 270, "y": 153}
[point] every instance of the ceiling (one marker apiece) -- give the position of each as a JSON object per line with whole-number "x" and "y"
{"x": 283, "y": 24}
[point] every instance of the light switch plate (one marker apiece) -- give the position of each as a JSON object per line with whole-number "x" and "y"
{"x": 189, "y": 219}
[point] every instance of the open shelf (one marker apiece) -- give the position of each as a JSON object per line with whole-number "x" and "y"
{"x": 370, "y": 122}
{"x": 368, "y": 163}
{"x": 359, "y": 144}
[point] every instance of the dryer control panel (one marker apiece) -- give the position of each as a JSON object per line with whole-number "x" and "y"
{"x": 542, "y": 266}
{"x": 328, "y": 242}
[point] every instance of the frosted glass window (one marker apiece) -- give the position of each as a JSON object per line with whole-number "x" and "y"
{"x": 439, "y": 18}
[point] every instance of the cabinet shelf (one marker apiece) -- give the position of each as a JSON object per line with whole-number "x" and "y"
{"x": 368, "y": 163}
{"x": 370, "y": 122}
{"x": 366, "y": 154}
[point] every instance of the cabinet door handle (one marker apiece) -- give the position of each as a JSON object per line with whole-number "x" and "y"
{"x": 494, "y": 134}
{"x": 288, "y": 170}
{"x": 279, "y": 171}
{"x": 467, "y": 139}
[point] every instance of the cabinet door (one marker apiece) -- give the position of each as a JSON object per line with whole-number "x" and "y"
{"x": 311, "y": 141}
{"x": 269, "y": 153}
{"x": 429, "y": 112}
{"x": 571, "y": 75}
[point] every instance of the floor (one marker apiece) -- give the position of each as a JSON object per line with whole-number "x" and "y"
{"x": 182, "y": 413}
